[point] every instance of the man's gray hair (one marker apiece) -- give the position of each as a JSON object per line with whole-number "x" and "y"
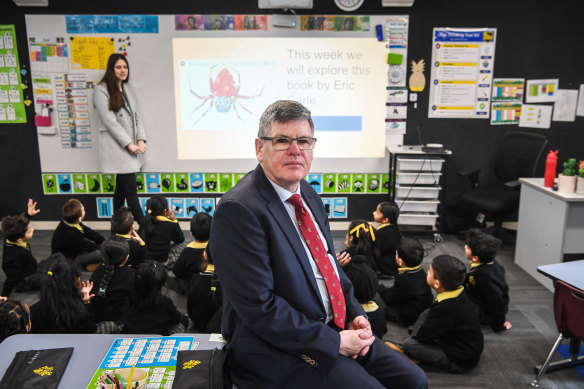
{"x": 283, "y": 111}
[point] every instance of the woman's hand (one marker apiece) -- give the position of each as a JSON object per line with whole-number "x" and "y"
{"x": 141, "y": 146}
{"x": 133, "y": 149}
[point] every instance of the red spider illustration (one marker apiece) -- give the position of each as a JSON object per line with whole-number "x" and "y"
{"x": 224, "y": 93}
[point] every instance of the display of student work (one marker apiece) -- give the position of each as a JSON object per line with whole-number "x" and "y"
{"x": 12, "y": 107}
{"x": 141, "y": 362}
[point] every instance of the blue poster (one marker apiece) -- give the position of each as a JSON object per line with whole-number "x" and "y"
{"x": 197, "y": 182}
{"x": 143, "y": 201}
{"x": 178, "y": 207}
{"x": 65, "y": 185}
{"x": 104, "y": 207}
{"x": 208, "y": 206}
{"x": 339, "y": 207}
{"x": 315, "y": 180}
{"x": 153, "y": 183}
{"x": 327, "y": 206}
{"x": 192, "y": 207}
{"x": 104, "y": 24}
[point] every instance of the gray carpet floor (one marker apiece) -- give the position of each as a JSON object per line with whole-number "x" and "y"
{"x": 508, "y": 358}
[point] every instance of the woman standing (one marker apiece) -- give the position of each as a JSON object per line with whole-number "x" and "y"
{"x": 121, "y": 132}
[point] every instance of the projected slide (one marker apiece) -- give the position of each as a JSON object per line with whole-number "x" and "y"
{"x": 222, "y": 86}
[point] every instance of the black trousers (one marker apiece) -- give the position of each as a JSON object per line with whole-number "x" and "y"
{"x": 126, "y": 189}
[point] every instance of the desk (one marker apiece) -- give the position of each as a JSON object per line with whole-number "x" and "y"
{"x": 572, "y": 273}
{"x": 550, "y": 225}
{"x": 89, "y": 351}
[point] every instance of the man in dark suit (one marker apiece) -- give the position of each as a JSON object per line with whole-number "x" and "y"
{"x": 278, "y": 319}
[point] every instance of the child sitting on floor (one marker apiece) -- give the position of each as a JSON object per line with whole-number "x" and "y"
{"x": 74, "y": 239}
{"x": 387, "y": 238}
{"x": 357, "y": 242}
{"x": 18, "y": 263}
{"x": 447, "y": 335}
{"x": 151, "y": 312}
{"x": 364, "y": 281}
{"x": 410, "y": 294}
{"x": 161, "y": 232}
{"x": 191, "y": 259}
{"x": 485, "y": 283}
{"x": 123, "y": 227}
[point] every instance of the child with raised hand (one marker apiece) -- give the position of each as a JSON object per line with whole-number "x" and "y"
{"x": 485, "y": 282}
{"x": 357, "y": 242}
{"x": 204, "y": 298}
{"x": 410, "y": 294}
{"x": 448, "y": 335}
{"x": 151, "y": 312}
{"x": 62, "y": 308}
{"x": 112, "y": 282}
{"x": 161, "y": 231}
{"x": 387, "y": 239}
{"x": 122, "y": 225}
{"x": 365, "y": 282}
{"x": 74, "y": 239}
{"x": 14, "y": 318}
{"x": 192, "y": 257}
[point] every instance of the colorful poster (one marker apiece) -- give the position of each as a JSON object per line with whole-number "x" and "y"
{"x": 506, "y": 113}
{"x": 334, "y": 23}
{"x": 359, "y": 182}
{"x": 461, "y": 73}
{"x": 108, "y": 183}
{"x": 79, "y": 183}
{"x": 104, "y": 207}
{"x": 191, "y": 207}
{"x": 178, "y": 208}
{"x": 329, "y": 183}
{"x": 12, "y": 108}
{"x": 167, "y": 182}
{"x": 181, "y": 182}
{"x": 225, "y": 182}
{"x": 344, "y": 183}
{"x": 197, "y": 182}
{"x": 541, "y": 91}
{"x": 536, "y": 116}
{"x": 251, "y": 22}
{"x": 103, "y": 24}
{"x": 151, "y": 362}
{"x": 94, "y": 183}
{"x": 373, "y": 183}
{"x": 153, "y": 183}
{"x": 211, "y": 183}
{"x": 315, "y": 180}
{"x": 208, "y": 206}
{"x": 50, "y": 183}
{"x": 48, "y": 55}
{"x": 508, "y": 89}
{"x": 91, "y": 52}
{"x": 339, "y": 208}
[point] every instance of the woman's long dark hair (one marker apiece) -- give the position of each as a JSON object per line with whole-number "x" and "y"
{"x": 116, "y": 99}
{"x": 61, "y": 301}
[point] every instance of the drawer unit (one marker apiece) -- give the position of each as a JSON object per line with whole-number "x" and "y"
{"x": 417, "y": 219}
{"x": 417, "y": 205}
{"x": 416, "y": 192}
{"x": 417, "y": 178}
{"x": 419, "y": 164}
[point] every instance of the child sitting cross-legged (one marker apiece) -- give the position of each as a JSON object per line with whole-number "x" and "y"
{"x": 485, "y": 282}
{"x": 448, "y": 335}
{"x": 123, "y": 227}
{"x": 410, "y": 294}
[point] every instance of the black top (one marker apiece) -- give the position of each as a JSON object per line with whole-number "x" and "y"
{"x": 410, "y": 295}
{"x": 189, "y": 262}
{"x": 115, "y": 303}
{"x": 40, "y": 324}
{"x": 157, "y": 319}
{"x": 17, "y": 263}
{"x": 487, "y": 288}
{"x": 158, "y": 241}
{"x": 387, "y": 239}
{"x": 377, "y": 320}
{"x": 138, "y": 253}
{"x": 71, "y": 242}
{"x": 202, "y": 301}
{"x": 453, "y": 324}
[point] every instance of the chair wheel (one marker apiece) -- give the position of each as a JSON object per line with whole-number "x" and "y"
{"x": 437, "y": 238}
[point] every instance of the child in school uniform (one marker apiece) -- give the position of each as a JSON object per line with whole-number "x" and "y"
{"x": 191, "y": 259}
{"x": 161, "y": 232}
{"x": 151, "y": 312}
{"x": 18, "y": 263}
{"x": 387, "y": 238}
{"x": 364, "y": 281}
{"x": 74, "y": 239}
{"x": 62, "y": 306}
{"x": 122, "y": 225}
{"x": 357, "y": 242}
{"x": 204, "y": 298}
{"x": 14, "y": 318}
{"x": 112, "y": 283}
{"x": 448, "y": 335}
{"x": 485, "y": 283}
{"x": 410, "y": 294}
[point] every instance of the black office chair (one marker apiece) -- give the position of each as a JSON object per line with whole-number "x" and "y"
{"x": 518, "y": 156}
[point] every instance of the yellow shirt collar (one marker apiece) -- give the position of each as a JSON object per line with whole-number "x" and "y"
{"x": 21, "y": 244}
{"x": 77, "y": 225}
{"x": 197, "y": 245}
{"x": 210, "y": 268}
{"x": 165, "y": 219}
{"x": 405, "y": 269}
{"x": 449, "y": 294}
{"x": 474, "y": 265}
{"x": 127, "y": 236}
{"x": 383, "y": 225}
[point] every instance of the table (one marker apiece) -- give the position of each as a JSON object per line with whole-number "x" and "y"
{"x": 89, "y": 351}
{"x": 551, "y": 224}
{"x": 572, "y": 273}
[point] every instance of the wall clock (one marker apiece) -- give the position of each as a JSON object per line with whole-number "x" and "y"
{"x": 349, "y": 5}
{"x": 396, "y": 74}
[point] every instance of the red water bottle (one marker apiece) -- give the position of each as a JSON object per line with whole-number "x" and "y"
{"x": 550, "y": 169}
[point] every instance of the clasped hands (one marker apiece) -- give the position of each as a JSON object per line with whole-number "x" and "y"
{"x": 357, "y": 338}
{"x": 139, "y": 148}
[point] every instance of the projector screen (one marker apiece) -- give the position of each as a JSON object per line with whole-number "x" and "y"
{"x": 223, "y": 85}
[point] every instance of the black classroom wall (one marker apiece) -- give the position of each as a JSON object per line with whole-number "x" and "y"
{"x": 535, "y": 40}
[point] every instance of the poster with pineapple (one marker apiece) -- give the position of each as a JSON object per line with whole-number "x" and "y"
{"x": 417, "y": 78}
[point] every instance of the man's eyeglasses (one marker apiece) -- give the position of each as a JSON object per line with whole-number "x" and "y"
{"x": 284, "y": 142}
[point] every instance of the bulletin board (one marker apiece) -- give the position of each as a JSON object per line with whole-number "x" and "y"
{"x": 175, "y": 85}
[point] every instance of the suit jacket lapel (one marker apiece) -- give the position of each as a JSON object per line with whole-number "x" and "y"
{"x": 282, "y": 218}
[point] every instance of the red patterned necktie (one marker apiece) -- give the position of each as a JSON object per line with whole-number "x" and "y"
{"x": 320, "y": 256}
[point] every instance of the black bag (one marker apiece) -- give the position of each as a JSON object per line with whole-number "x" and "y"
{"x": 41, "y": 369}
{"x": 199, "y": 369}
